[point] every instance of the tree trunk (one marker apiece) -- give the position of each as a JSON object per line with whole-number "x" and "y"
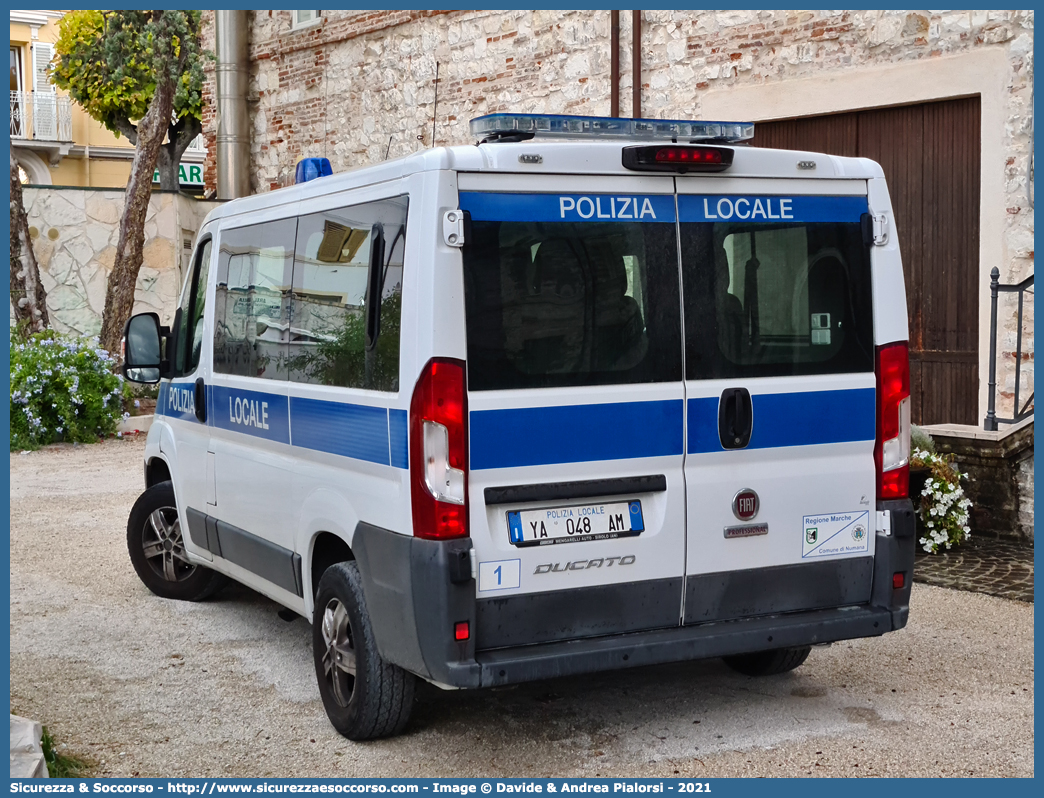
{"x": 168, "y": 169}
{"x": 28, "y": 297}
{"x": 119, "y": 290}
{"x": 179, "y": 136}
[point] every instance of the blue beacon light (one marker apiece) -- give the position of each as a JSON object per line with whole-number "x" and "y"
{"x": 311, "y": 168}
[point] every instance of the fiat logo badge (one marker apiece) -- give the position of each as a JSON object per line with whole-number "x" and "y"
{"x": 746, "y": 504}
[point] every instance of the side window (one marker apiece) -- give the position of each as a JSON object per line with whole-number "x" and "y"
{"x": 332, "y": 270}
{"x": 193, "y": 301}
{"x": 252, "y": 300}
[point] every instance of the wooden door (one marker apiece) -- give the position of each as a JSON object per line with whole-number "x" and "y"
{"x": 930, "y": 156}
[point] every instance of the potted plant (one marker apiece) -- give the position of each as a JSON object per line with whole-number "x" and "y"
{"x": 920, "y": 440}
{"x": 935, "y": 486}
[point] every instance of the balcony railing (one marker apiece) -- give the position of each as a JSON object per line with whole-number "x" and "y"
{"x": 40, "y": 116}
{"x": 1022, "y": 289}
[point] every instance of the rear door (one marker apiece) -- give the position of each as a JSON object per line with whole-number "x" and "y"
{"x": 575, "y": 405}
{"x": 780, "y": 396}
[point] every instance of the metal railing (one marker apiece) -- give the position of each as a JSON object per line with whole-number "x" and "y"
{"x": 996, "y": 288}
{"x": 40, "y": 116}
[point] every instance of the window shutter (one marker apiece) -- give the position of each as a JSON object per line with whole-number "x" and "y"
{"x": 43, "y": 52}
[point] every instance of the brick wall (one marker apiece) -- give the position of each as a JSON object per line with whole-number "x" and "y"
{"x": 1000, "y": 477}
{"x": 360, "y": 86}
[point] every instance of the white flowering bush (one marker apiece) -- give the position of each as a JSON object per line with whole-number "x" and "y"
{"x": 62, "y": 389}
{"x": 943, "y": 507}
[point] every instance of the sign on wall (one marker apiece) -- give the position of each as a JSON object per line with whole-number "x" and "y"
{"x": 190, "y": 174}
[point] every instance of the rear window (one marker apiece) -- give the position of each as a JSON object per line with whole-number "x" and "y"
{"x": 786, "y": 292}
{"x": 558, "y": 296}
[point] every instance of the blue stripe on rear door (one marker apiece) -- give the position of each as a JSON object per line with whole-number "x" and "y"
{"x": 575, "y": 434}
{"x": 799, "y": 208}
{"x": 490, "y": 207}
{"x": 791, "y": 419}
{"x": 703, "y": 425}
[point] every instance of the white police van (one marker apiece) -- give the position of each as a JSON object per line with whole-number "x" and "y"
{"x": 592, "y": 394}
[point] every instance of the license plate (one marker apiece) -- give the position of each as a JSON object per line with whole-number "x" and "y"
{"x": 575, "y": 522}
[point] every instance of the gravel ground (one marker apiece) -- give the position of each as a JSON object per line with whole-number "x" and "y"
{"x": 155, "y": 688}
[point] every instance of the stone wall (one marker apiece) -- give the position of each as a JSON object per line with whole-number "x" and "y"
{"x": 360, "y": 87}
{"x": 75, "y": 232}
{"x": 1000, "y": 470}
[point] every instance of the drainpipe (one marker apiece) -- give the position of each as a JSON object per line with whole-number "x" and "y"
{"x": 636, "y": 64}
{"x": 614, "y": 61}
{"x": 233, "y": 123}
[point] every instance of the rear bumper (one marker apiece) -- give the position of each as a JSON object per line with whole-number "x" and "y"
{"x": 507, "y": 666}
{"x": 416, "y": 590}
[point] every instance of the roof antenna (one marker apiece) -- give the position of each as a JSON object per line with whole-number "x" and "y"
{"x": 389, "y": 147}
{"x": 435, "y": 109}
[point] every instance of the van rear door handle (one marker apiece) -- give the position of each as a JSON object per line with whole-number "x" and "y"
{"x": 735, "y": 418}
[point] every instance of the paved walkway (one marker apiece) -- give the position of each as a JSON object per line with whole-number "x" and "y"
{"x": 981, "y": 565}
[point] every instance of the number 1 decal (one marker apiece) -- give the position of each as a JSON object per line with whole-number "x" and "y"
{"x": 499, "y": 575}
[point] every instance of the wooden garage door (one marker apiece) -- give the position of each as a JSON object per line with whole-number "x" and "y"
{"x": 930, "y": 156}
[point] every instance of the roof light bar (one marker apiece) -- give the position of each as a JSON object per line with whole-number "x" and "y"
{"x": 493, "y": 127}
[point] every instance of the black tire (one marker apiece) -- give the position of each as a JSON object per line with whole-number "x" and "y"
{"x": 364, "y": 696}
{"x": 157, "y": 551}
{"x": 768, "y": 663}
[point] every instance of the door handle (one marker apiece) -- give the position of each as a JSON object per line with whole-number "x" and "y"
{"x": 735, "y": 418}
{"x": 200, "y": 400}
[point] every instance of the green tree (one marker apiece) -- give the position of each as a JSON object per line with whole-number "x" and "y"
{"x": 106, "y": 61}
{"x": 124, "y": 66}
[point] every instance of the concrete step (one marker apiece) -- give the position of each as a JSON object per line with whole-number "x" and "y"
{"x": 139, "y": 423}
{"x": 27, "y": 759}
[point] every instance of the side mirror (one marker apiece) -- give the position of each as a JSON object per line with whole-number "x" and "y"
{"x": 142, "y": 361}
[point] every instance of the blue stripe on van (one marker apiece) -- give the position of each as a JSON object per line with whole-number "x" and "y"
{"x": 489, "y": 207}
{"x": 348, "y": 430}
{"x": 703, "y": 425}
{"x": 732, "y": 208}
{"x": 791, "y": 419}
{"x": 177, "y": 400}
{"x": 398, "y": 429}
{"x": 575, "y": 433}
{"x": 262, "y": 415}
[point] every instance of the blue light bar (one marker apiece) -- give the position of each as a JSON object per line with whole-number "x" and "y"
{"x": 311, "y": 168}
{"x": 495, "y": 126}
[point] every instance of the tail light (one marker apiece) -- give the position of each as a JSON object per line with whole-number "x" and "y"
{"x": 892, "y": 449}
{"x": 677, "y": 158}
{"x": 438, "y": 451}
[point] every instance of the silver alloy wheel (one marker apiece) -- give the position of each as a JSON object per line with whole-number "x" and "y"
{"x": 339, "y": 658}
{"x": 163, "y": 546}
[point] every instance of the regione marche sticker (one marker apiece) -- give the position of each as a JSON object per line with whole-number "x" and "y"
{"x": 831, "y": 534}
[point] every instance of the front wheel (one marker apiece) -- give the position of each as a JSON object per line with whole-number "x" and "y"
{"x": 364, "y": 696}
{"x": 156, "y": 546}
{"x": 768, "y": 663}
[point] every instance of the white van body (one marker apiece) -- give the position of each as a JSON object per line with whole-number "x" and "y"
{"x": 287, "y": 475}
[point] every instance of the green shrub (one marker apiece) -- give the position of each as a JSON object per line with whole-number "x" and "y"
{"x": 62, "y": 389}
{"x": 62, "y": 766}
